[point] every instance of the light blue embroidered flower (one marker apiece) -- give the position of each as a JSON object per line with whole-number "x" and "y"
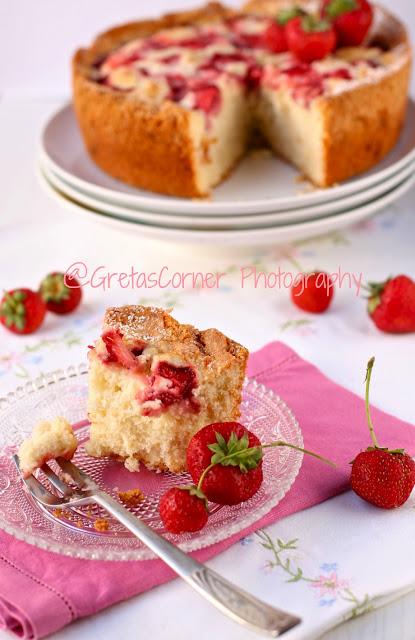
{"x": 327, "y": 602}
{"x": 328, "y": 567}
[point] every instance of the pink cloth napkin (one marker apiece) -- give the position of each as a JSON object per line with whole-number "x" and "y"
{"x": 41, "y": 592}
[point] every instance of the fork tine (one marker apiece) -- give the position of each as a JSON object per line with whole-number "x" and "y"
{"x": 37, "y": 490}
{"x": 56, "y": 481}
{"x": 81, "y": 479}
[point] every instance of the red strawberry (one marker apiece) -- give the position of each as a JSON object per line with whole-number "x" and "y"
{"x": 392, "y": 304}
{"x": 379, "y": 475}
{"x": 225, "y": 461}
{"x": 351, "y": 20}
{"x": 62, "y": 293}
{"x": 118, "y": 352}
{"x": 183, "y": 509}
{"x": 313, "y": 292}
{"x": 22, "y": 311}
{"x": 274, "y": 38}
{"x": 310, "y": 39}
{"x": 241, "y": 478}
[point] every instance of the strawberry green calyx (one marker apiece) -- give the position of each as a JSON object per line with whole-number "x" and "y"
{"x": 194, "y": 491}
{"x": 236, "y": 452}
{"x": 54, "y": 289}
{"x": 285, "y": 15}
{"x": 13, "y": 309}
{"x": 337, "y": 8}
{"x": 311, "y": 24}
{"x": 375, "y": 290}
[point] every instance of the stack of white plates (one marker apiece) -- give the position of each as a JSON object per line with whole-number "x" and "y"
{"x": 263, "y": 202}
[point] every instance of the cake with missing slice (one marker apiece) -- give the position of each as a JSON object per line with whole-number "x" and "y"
{"x": 154, "y": 382}
{"x": 170, "y": 105}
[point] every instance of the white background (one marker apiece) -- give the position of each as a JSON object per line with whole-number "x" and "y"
{"x": 37, "y": 38}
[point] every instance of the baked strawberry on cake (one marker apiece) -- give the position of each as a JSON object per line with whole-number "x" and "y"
{"x": 170, "y": 104}
{"x": 154, "y": 382}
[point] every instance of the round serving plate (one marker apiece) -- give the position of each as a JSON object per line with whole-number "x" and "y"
{"x": 261, "y": 183}
{"x": 72, "y": 531}
{"x": 228, "y": 222}
{"x": 267, "y": 236}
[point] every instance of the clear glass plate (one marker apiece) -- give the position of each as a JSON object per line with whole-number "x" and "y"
{"x": 72, "y": 532}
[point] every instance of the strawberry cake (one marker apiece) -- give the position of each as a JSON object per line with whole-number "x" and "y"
{"x": 171, "y": 105}
{"x": 154, "y": 382}
{"x": 49, "y": 440}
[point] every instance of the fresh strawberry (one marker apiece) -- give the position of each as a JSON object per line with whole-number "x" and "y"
{"x": 310, "y": 39}
{"x": 183, "y": 509}
{"x": 62, "y": 293}
{"x": 391, "y": 304}
{"x": 241, "y": 478}
{"x": 274, "y": 38}
{"x": 118, "y": 352}
{"x": 379, "y": 475}
{"x": 225, "y": 461}
{"x": 22, "y": 311}
{"x": 313, "y": 292}
{"x": 351, "y": 20}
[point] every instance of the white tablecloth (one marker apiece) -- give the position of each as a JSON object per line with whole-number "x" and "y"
{"x": 353, "y": 557}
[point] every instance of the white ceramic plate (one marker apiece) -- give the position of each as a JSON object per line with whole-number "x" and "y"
{"x": 261, "y": 183}
{"x": 235, "y": 238}
{"x": 228, "y": 222}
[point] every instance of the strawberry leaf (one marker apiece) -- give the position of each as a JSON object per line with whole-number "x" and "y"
{"x": 235, "y": 453}
{"x": 285, "y": 15}
{"x": 337, "y": 7}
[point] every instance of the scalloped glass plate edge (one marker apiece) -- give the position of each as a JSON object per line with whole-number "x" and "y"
{"x": 77, "y": 372}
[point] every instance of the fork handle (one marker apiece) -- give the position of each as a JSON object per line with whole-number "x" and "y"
{"x": 228, "y": 598}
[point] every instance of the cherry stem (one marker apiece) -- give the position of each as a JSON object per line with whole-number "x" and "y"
{"x": 367, "y": 405}
{"x": 277, "y": 443}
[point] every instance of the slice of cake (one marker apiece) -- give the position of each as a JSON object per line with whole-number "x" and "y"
{"x": 49, "y": 440}
{"x": 154, "y": 382}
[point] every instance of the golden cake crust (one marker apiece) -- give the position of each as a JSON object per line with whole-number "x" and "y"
{"x": 115, "y": 125}
{"x": 210, "y": 346}
{"x": 361, "y": 125}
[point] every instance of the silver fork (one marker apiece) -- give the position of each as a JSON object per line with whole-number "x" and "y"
{"x": 228, "y": 598}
